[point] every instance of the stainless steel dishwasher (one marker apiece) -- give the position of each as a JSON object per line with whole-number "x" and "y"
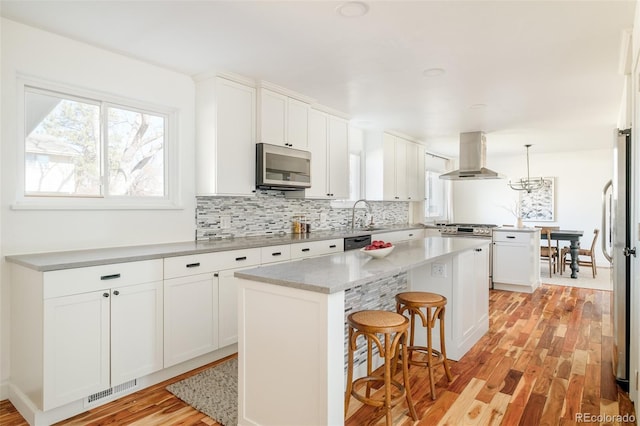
{"x": 353, "y": 243}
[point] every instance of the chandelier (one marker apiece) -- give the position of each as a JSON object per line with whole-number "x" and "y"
{"x": 528, "y": 184}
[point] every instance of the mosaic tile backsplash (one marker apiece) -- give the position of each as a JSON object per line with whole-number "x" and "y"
{"x": 379, "y": 295}
{"x": 270, "y": 212}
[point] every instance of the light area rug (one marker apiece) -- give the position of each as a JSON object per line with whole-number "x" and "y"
{"x": 585, "y": 279}
{"x": 213, "y": 392}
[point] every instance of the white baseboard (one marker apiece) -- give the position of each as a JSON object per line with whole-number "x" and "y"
{"x": 4, "y": 390}
{"x": 36, "y": 417}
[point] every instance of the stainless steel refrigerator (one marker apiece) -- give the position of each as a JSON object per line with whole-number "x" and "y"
{"x": 616, "y": 246}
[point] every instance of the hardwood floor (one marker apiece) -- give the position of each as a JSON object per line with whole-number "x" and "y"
{"x": 546, "y": 360}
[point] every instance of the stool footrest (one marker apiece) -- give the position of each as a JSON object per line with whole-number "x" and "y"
{"x": 437, "y": 357}
{"x": 374, "y": 401}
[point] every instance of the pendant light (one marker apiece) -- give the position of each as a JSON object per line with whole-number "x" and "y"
{"x": 528, "y": 184}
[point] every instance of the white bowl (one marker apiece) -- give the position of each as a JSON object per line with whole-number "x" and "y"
{"x": 378, "y": 253}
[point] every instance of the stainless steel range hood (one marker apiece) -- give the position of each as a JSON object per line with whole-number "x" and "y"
{"x": 473, "y": 153}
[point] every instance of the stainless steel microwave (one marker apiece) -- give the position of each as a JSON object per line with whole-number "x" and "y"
{"x": 282, "y": 168}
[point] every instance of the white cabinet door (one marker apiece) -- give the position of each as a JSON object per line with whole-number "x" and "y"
{"x": 225, "y": 137}
{"x": 338, "y": 175}
{"x": 273, "y": 117}
{"x": 283, "y": 120}
{"x": 136, "y": 331}
{"x": 235, "y": 158}
{"x": 228, "y": 308}
{"x": 414, "y": 171}
{"x": 510, "y": 263}
{"x": 465, "y": 320}
{"x": 420, "y": 195}
{"x": 190, "y": 317}
{"x": 389, "y": 167}
{"x": 297, "y": 123}
{"x": 318, "y": 134}
{"x": 481, "y": 283}
{"x": 401, "y": 169}
{"x": 76, "y": 347}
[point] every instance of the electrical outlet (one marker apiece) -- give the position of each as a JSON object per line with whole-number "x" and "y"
{"x": 438, "y": 270}
{"x": 225, "y": 222}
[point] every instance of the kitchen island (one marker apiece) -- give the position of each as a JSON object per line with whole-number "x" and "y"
{"x": 291, "y": 346}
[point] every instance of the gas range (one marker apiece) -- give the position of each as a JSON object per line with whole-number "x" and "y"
{"x": 467, "y": 230}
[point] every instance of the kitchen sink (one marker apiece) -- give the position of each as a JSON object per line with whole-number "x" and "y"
{"x": 372, "y": 228}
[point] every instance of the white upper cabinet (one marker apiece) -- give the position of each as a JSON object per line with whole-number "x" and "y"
{"x": 225, "y": 134}
{"x": 328, "y": 143}
{"x": 394, "y": 168}
{"x": 283, "y": 120}
{"x": 338, "y": 174}
{"x": 415, "y": 171}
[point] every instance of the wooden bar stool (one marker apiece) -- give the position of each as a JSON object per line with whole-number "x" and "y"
{"x": 433, "y": 304}
{"x": 394, "y": 327}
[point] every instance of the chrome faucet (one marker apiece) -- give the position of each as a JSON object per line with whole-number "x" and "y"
{"x": 353, "y": 212}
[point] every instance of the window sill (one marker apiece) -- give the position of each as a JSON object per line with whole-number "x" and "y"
{"x": 93, "y": 204}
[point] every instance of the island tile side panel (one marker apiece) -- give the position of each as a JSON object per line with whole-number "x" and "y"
{"x": 378, "y": 295}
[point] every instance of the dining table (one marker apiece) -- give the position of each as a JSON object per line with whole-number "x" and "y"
{"x": 574, "y": 245}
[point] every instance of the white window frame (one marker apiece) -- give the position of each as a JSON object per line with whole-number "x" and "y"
{"x": 172, "y": 199}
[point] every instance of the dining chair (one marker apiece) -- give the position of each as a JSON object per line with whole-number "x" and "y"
{"x": 565, "y": 256}
{"x": 549, "y": 252}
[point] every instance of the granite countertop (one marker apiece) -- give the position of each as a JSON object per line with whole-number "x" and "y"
{"x": 341, "y": 271}
{"x": 52, "y": 261}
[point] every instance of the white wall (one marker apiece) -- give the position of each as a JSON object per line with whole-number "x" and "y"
{"x": 61, "y": 60}
{"x": 580, "y": 178}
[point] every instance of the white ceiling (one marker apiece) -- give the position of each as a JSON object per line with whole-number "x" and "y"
{"x": 547, "y": 71}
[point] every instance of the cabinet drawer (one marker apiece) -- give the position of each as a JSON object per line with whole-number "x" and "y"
{"x": 272, "y": 254}
{"x": 92, "y": 278}
{"x": 210, "y": 262}
{"x": 397, "y": 236}
{"x": 316, "y": 248}
{"x": 512, "y": 237}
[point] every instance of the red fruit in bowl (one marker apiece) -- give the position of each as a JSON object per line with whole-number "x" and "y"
{"x": 387, "y": 245}
{"x": 370, "y": 247}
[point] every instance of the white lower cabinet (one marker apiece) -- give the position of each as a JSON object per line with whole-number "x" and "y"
{"x": 228, "y": 293}
{"x": 201, "y": 303}
{"x": 191, "y": 317}
{"x": 516, "y": 259}
{"x": 101, "y": 338}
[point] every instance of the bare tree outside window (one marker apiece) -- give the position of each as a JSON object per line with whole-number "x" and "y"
{"x": 65, "y": 148}
{"x": 136, "y": 153}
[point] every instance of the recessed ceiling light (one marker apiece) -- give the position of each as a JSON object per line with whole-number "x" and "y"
{"x": 433, "y": 72}
{"x": 352, "y": 9}
{"x": 477, "y": 106}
